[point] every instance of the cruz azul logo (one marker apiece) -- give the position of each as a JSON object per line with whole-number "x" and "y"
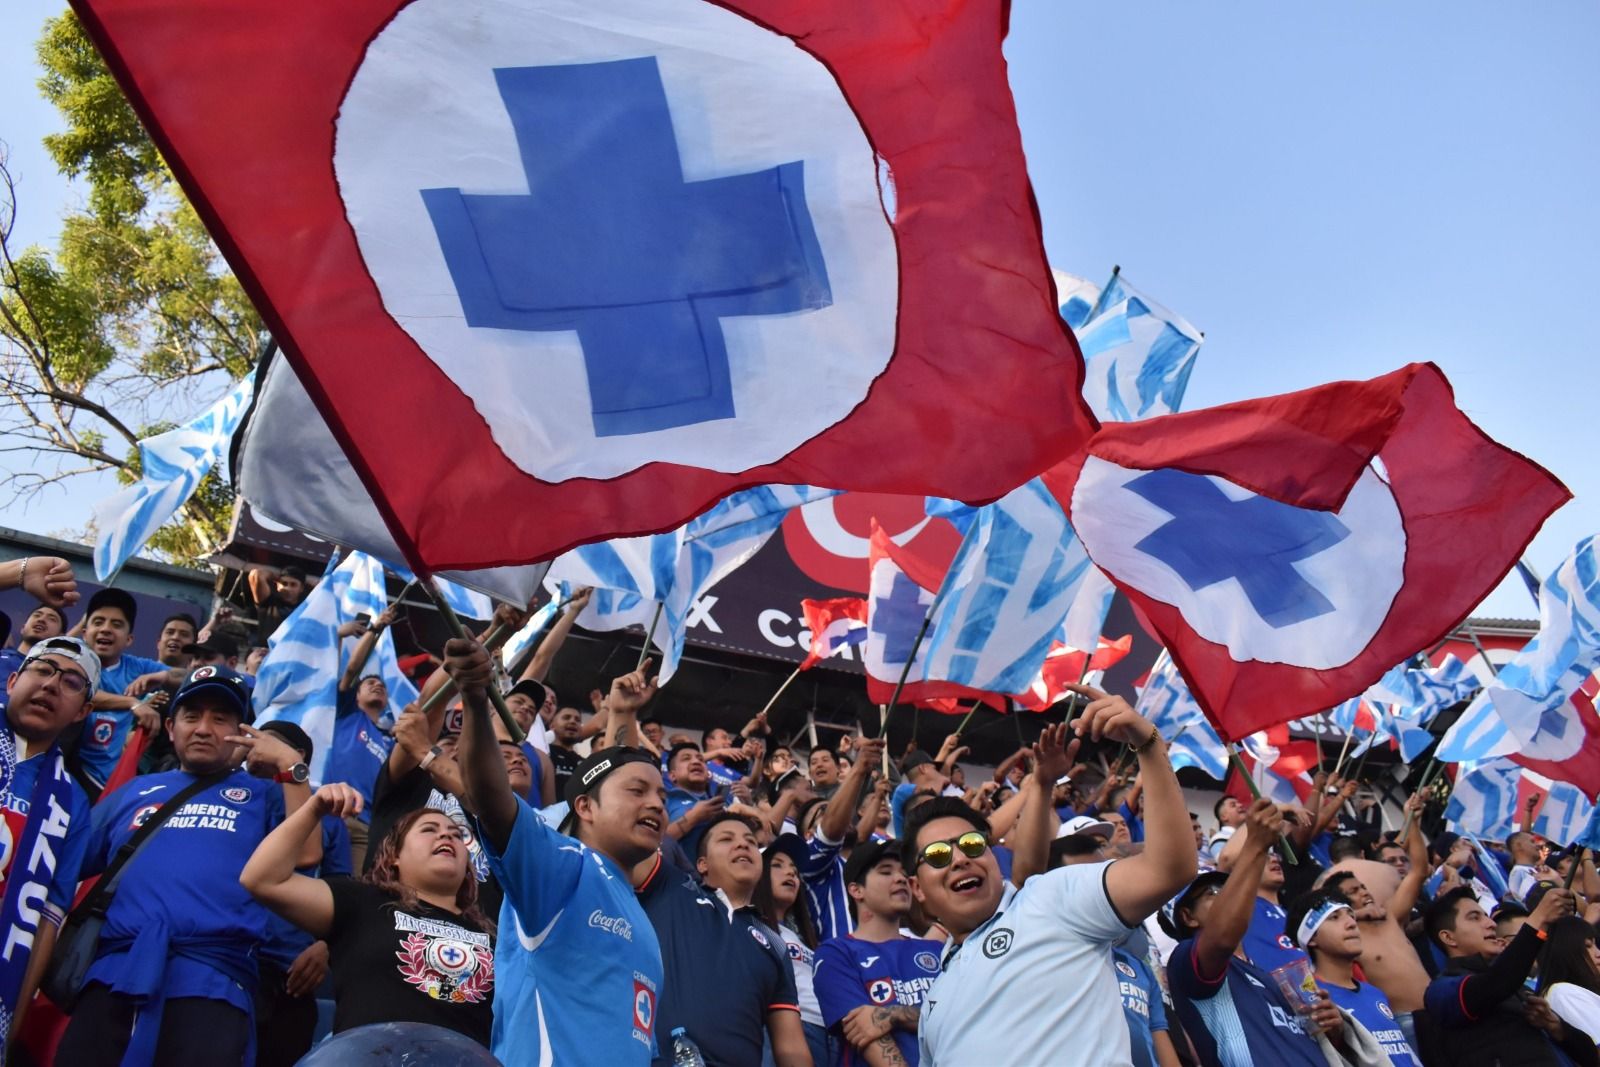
{"x": 445, "y": 961}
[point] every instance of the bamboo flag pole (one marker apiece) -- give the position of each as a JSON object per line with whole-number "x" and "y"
{"x": 459, "y": 631}
{"x": 795, "y": 674}
{"x": 1255, "y": 791}
{"x": 493, "y": 638}
{"x": 1100, "y": 301}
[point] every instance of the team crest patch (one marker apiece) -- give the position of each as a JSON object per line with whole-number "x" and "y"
{"x": 927, "y": 961}
{"x": 760, "y": 937}
{"x": 142, "y": 814}
{"x": 881, "y": 991}
{"x": 237, "y": 794}
{"x": 1285, "y": 943}
{"x": 102, "y": 732}
{"x": 644, "y": 1006}
{"x": 1126, "y": 970}
{"x": 445, "y": 968}
{"x": 1383, "y": 1006}
{"x": 998, "y": 943}
{"x": 202, "y": 673}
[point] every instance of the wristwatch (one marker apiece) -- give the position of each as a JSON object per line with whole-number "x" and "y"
{"x": 433, "y": 753}
{"x": 299, "y": 774}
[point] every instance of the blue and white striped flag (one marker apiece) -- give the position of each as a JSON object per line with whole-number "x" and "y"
{"x": 1564, "y": 815}
{"x": 1484, "y": 800}
{"x": 468, "y": 603}
{"x": 1191, "y": 740}
{"x": 519, "y": 643}
{"x": 1137, "y": 355}
{"x": 172, "y": 466}
{"x": 1008, "y": 593}
{"x": 1489, "y": 868}
{"x": 299, "y": 678}
{"x": 1423, "y": 692}
{"x": 634, "y": 576}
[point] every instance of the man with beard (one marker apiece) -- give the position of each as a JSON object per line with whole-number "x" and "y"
{"x": 870, "y": 983}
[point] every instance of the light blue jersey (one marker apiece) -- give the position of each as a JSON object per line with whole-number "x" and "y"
{"x": 578, "y": 965}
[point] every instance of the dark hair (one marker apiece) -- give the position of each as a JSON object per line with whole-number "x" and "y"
{"x": 1216, "y": 809}
{"x": 293, "y": 571}
{"x": 1071, "y": 847}
{"x": 1336, "y": 879}
{"x": 60, "y": 615}
{"x": 717, "y": 820}
{"x": 1565, "y": 956}
{"x": 672, "y": 753}
{"x": 1441, "y": 914}
{"x": 1345, "y": 848}
{"x": 385, "y": 871}
{"x": 1303, "y": 905}
{"x": 937, "y": 808}
{"x": 767, "y": 906}
{"x": 182, "y": 616}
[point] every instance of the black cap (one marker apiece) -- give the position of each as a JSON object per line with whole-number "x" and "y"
{"x": 598, "y": 766}
{"x": 114, "y": 598}
{"x": 791, "y": 845}
{"x": 215, "y": 645}
{"x": 1167, "y": 917}
{"x": 216, "y": 680}
{"x": 534, "y": 691}
{"x": 291, "y": 733}
{"x": 867, "y": 856}
{"x": 914, "y": 760}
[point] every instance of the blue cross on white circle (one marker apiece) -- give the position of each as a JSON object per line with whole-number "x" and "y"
{"x": 880, "y": 991}
{"x": 611, "y": 242}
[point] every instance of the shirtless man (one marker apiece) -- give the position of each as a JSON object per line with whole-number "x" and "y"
{"x": 1387, "y": 956}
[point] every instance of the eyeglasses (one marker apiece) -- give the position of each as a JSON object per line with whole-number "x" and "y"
{"x": 73, "y": 682}
{"x": 940, "y": 854}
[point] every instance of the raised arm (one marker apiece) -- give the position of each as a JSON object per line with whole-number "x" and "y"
{"x": 270, "y": 873}
{"x": 1405, "y": 897}
{"x": 1036, "y": 824}
{"x": 363, "y": 650}
{"x": 841, "y": 807}
{"x": 630, "y": 694}
{"x": 1230, "y": 913}
{"x": 1140, "y": 884}
{"x": 483, "y": 770}
{"x": 543, "y": 656}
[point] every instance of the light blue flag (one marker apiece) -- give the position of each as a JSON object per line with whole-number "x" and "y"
{"x": 638, "y": 579}
{"x": 1489, "y": 868}
{"x": 172, "y": 466}
{"x": 1008, "y": 593}
{"x": 1484, "y": 800}
{"x": 540, "y": 621}
{"x": 1191, "y": 740}
{"x": 299, "y": 678}
{"x": 1565, "y": 813}
{"x": 1137, "y": 355}
{"x": 1422, "y": 693}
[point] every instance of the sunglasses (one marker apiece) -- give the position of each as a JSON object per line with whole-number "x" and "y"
{"x": 940, "y": 854}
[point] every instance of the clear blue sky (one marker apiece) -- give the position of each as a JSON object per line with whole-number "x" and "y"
{"x": 1328, "y": 191}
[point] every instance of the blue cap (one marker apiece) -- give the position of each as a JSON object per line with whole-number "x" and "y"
{"x": 217, "y": 681}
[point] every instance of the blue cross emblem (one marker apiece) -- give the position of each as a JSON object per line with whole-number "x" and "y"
{"x": 612, "y": 243}
{"x": 1256, "y": 540}
{"x": 897, "y": 617}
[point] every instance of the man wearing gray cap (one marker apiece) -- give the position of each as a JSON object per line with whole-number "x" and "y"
{"x": 46, "y": 812}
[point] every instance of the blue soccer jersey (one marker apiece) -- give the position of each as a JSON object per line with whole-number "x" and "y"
{"x": 1265, "y": 941}
{"x": 1142, "y": 1005}
{"x": 578, "y": 967}
{"x": 180, "y": 898}
{"x": 850, "y": 973}
{"x": 1237, "y": 1018}
{"x": 822, "y": 877}
{"x": 1371, "y": 1009}
{"x": 358, "y": 752}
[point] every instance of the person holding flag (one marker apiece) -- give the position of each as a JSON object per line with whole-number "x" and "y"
{"x": 46, "y": 812}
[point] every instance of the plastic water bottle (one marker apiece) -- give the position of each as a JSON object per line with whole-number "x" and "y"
{"x": 685, "y": 1053}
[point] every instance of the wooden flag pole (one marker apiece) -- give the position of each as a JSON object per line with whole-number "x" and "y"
{"x": 779, "y": 693}
{"x": 457, "y": 630}
{"x": 1428, "y": 773}
{"x": 1338, "y": 764}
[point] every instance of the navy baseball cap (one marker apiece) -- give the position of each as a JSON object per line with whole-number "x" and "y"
{"x": 534, "y": 691}
{"x": 216, "y": 681}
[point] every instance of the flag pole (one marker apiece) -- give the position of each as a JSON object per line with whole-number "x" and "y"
{"x": 779, "y": 693}
{"x": 1100, "y": 301}
{"x": 1577, "y": 861}
{"x": 976, "y": 704}
{"x": 1338, "y": 764}
{"x": 457, "y": 630}
{"x": 644, "y": 650}
{"x": 1428, "y": 774}
{"x": 493, "y": 638}
{"x": 1255, "y": 791}
{"x": 905, "y": 672}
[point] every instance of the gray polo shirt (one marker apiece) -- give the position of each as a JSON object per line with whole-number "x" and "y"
{"x": 1036, "y": 980}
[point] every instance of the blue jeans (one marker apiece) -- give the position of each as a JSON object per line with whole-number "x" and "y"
{"x": 824, "y": 1045}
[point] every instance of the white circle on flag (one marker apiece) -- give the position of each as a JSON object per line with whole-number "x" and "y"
{"x": 424, "y": 112}
{"x": 1359, "y": 576}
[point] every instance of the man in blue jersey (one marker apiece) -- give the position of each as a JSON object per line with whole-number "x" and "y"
{"x": 825, "y": 835}
{"x": 1231, "y": 1008}
{"x": 1324, "y": 924}
{"x": 361, "y": 724}
{"x": 108, "y": 629}
{"x": 870, "y": 983}
{"x": 175, "y": 976}
{"x": 46, "y": 812}
{"x": 692, "y": 799}
{"x": 42, "y": 622}
{"x": 1265, "y": 943}
{"x": 578, "y": 967}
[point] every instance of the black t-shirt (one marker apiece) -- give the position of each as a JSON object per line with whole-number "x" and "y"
{"x": 565, "y": 761}
{"x": 394, "y": 800}
{"x": 420, "y": 964}
{"x": 270, "y": 614}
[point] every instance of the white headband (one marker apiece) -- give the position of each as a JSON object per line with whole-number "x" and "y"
{"x": 1315, "y": 918}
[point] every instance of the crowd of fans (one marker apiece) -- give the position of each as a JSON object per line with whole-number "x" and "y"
{"x": 612, "y": 890}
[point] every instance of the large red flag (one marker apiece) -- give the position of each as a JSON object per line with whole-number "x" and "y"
{"x": 559, "y": 270}
{"x": 1290, "y": 550}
